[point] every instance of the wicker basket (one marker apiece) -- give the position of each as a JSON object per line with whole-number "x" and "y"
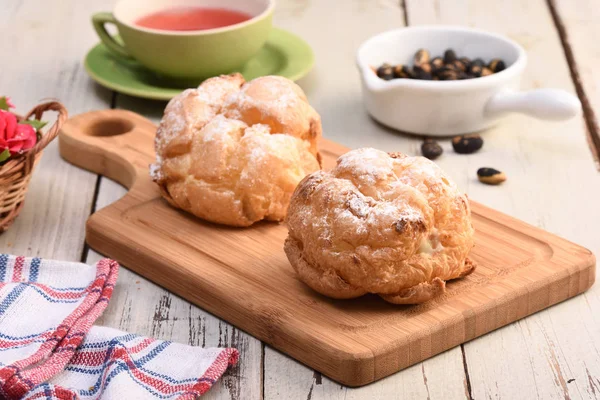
{"x": 16, "y": 173}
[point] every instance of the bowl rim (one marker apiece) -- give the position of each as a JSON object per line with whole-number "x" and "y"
{"x": 200, "y": 32}
{"x": 374, "y": 82}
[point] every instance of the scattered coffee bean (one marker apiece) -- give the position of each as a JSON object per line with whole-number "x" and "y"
{"x": 490, "y": 176}
{"x": 385, "y": 72}
{"x": 421, "y": 57}
{"x": 446, "y": 68}
{"x": 449, "y": 56}
{"x": 467, "y": 144}
{"x": 431, "y": 149}
{"x": 496, "y": 65}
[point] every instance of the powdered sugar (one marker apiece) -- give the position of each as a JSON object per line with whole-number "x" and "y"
{"x": 155, "y": 172}
{"x": 173, "y": 121}
{"x": 358, "y": 206}
{"x": 222, "y": 124}
{"x": 275, "y": 98}
{"x": 211, "y": 94}
{"x": 365, "y": 165}
{"x": 215, "y": 91}
{"x": 219, "y": 126}
{"x": 258, "y": 129}
{"x": 257, "y": 153}
{"x": 279, "y": 102}
{"x": 407, "y": 212}
{"x": 376, "y": 190}
{"x": 268, "y": 145}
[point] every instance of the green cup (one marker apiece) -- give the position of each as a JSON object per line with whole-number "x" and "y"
{"x": 187, "y": 55}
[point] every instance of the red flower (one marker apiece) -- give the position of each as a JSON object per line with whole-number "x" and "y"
{"x": 15, "y": 137}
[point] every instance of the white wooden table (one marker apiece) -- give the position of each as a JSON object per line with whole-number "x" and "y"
{"x": 553, "y": 183}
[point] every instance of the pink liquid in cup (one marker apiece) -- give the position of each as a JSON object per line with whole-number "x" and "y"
{"x": 192, "y": 19}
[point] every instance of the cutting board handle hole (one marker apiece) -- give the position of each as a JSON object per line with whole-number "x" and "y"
{"x": 110, "y": 127}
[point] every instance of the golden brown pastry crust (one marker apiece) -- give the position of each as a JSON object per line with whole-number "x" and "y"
{"x": 279, "y": 103}
{"x": 233, "y": 152}
{"x": 379, "y": 223}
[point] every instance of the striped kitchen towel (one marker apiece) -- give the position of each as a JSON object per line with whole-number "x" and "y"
{"x": 49, "y": 349}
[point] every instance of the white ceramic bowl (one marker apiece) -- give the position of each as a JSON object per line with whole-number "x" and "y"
{"x": 442, "y": 108}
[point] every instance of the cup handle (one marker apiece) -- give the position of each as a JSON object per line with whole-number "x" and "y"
{"x": 99, "y": 20}
{"x": 548, "y": 104}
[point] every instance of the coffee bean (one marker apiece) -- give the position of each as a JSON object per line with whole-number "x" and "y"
{"x": 437, "y": 63}
{"x": 449, "y": 56}
{"x": 451, "y": 66}
{"x": 421, "y": 57}
{"x": 431, "y": 149}
{"x": 385, "y": 72}
{"x": 478, "y": 62}
{"x": 426, "y": 67}
{"x": 459, "y": 65}
{"x": 467, "y": 144}
{"x": 497, "y": 65}
{"x": 445, "y": 68}
{"x": 475, "y": 65}
{"x": 490, "y": 176}
{"x": 448, "y": 74}
{"x": 401, "y": 71}
{"x": 421, "y": 74}
{"x": 475, "y": 70}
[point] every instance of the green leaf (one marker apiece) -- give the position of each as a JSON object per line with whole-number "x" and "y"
{"x": 4, "y": 155}
{"x": 4, "y": 103}
{"x": 37, "y": 125}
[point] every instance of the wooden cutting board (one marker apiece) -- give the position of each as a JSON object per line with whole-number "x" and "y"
{"x": 243, "y": 275}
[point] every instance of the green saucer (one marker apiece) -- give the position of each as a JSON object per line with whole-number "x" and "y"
{"x": 284, "y": 54}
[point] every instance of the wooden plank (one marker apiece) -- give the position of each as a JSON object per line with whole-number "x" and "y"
{"x": 327, "y": 90}
{"x": 436, "y": 378}
{"x": 42, "y": 59}
{"x": 552, "y": 184}
{"x": 576, "y": 25}
{"x": 333, "y": 88}
{"x": 141, "y": 307}
{"x": 243, "y": 275}
{"x": 569, "y": 317}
